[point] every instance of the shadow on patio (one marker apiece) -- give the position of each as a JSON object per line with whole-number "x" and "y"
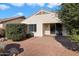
{"x": 67, "y": 43}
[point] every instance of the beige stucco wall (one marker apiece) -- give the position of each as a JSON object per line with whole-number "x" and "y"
{"x": 64, "y": 31}
{"x": 1, "y": 25}
{"x": 39, "y": 31}
{"x": 46, "y": 29}
{"x": 39, "y": 20}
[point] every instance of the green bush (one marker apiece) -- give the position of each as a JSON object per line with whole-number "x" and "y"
{"x": 75, "y": 35}
{"x": 16, "y": 32}
{"x": 74, "y": 38}
{"x": 29, "y": 34}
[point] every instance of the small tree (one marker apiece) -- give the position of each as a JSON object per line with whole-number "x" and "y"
{"x": 15, "y": 31}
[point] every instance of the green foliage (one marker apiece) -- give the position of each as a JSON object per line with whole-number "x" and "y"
{"x": 16, "y": 32}
{"x": 69, "y": 14}
{"x": 29, "y": 34}
{"x": 75, "y": 35}
{"x": 74, "y": 38}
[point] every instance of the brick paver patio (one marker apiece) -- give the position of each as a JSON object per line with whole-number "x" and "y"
{"x": 43, "y": 46}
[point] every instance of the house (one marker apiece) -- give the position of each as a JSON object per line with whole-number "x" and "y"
{"x": 45, "y": 23}
{"x": 18, "y": 19}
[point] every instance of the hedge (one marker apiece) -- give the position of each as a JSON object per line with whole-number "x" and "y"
{"x": 16, "y": 32}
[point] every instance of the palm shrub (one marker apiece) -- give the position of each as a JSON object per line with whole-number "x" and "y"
{"x": 15, "y": 32}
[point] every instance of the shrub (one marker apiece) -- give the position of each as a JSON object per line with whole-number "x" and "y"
{"x": 74, "y": 38}
{"x": 2, "y": 33}
{"x": 16, "y": 32}
{"x": 29, "y": 34}
{"x": 75, "y": 35}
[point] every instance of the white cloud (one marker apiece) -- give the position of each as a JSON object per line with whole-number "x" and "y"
{"x": 17, "y": 4}
{"x": 50, "y": 5}
{"x": 36, "y": 4}
{"x": 4, "y": 7}
{"x": 55, "y": 3}
{"x": 30, "y": 4}
{"x": 41, "y": 4}
{"x": 19, "y": 14}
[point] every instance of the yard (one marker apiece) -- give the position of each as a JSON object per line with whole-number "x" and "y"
{"x": 42, "y": 46}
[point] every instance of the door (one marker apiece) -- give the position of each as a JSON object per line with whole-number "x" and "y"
{"x": 56, "y": 29}
{"x": 52, "y": 28}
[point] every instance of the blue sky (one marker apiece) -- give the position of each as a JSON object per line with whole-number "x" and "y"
{"x": 8, "y": 10}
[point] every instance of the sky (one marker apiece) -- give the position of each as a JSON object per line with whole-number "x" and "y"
{"x": 8, "y": 10}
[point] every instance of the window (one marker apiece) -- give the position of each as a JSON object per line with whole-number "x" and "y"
{"x": 32, "y": 27}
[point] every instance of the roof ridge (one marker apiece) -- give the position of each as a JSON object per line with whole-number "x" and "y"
{"x": 46, "y": 10}
{"x": 43, "y": 11}
{"x": 13, "y": 17}
{"x": 8, "y": 19}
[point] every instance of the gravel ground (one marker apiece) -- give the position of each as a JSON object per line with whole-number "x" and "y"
{"x": 42, "y": 46}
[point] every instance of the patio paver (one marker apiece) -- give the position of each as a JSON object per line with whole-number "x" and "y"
{"x": 43, "y": 46}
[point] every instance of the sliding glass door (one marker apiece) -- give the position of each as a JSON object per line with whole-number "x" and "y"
{"x": 56, "y": 28}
